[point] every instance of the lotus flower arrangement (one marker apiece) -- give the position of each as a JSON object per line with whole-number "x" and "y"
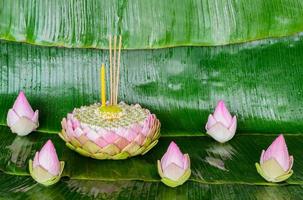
{"x": 174, "y": 167}
{"x": 46, "y": 168}
{"x": 275, "y": 163}
{"x": 21, "y": 118}
{"x": 112, "y": 142}
{"x": 221, "y": 125}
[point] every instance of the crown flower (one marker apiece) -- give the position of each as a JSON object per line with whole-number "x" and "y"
{"x": 21, "y": 118}
{"x": 275, "y": 163}
{"x": 221, "y": 125}
{"x": 174, "y": 167}
{"x": 46, "y": 168}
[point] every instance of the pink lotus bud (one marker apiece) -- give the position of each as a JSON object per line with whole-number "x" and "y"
{"x": 275, "y": 163}
{"x": 174, "y": 167}
{"x": 21, "y": 118}
{"x": 221, "y": 125}
{"x": 46, "y": 168}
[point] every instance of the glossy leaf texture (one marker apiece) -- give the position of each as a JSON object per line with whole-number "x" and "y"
{"x": 211, "y": 162}
{"x": 261, "y": 83}
{"x": 147, "y": 24}
{"x": 23, "y": 187}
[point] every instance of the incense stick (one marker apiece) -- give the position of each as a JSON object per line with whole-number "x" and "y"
{"x": 118, "y": 69}
{"x": 114, "y": 69}
{"x": 111, "y": 70}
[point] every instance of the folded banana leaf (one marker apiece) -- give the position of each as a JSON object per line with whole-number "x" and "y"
{"x": 260, "y": 81}
{"x": 147, "y": 24}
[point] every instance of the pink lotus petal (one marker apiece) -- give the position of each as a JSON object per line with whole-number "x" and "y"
{"x": 48, "y": 158}
{"x": 147, "y": 124}
{"x": 185, "y": 162}
{"x": 110, "y": 137}
{"x": 233, "y": 126}
{"x": 75, "y": 123}
{"x": 173, "y": 171}
{"x": 172, "y": 155}
{"x": 69, "y": 123}
{"x": 278, "y": 151}
{"x": 101, "y": 142}
{"x": 130, "y": 135}
{"x": 121, "y": 131}
{"x": 78, "y": 132}
{"x": 220, "y": 133}
{"x": 92, "y": 135}
{"x": 70, "y": 132}
{"x": 222, "y": 114}
{"x": 22, "y": 107}
{"x": 12, "y": 117}
{"x": 140, "y": 139}
{"x": 35, "y": 117}
{"x": 137, "y": 128}
{"x": 36, "y": 160}
{"x": 210, "y": 122}
{"x": 63, "y": 123}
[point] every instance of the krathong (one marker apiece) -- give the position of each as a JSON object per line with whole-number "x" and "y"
{"x": 275, "y": 163}
{"x": 21, "y": 118}
{"x": 174, "y": 167}
{"x": 221, "y": 125}
{"x": 46, "y": 168}
{"x": 110, "y": 130}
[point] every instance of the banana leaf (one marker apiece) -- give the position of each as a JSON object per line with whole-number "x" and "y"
{"x": 260, "y": 81}
{"x": 211, "y": 162}
{"x": 147, "y": 24}
{"x": 22, "y": 187}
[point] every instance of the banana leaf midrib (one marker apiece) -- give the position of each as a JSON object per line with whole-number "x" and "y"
{"x": 156, "y": 47}
{"x": 159, "y": 181}
{"x": 170, "y": 133}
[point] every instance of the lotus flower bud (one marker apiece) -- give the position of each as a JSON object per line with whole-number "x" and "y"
{"x": 174, "y": 167}
{"x": 46, "y": 168}
{"x": 221, "y": 125}
{"x": 21, "y": 118}
{"x": 275, "y": 163}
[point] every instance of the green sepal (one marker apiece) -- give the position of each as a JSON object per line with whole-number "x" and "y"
{"x": 150, "y": 147}
{"x": 110, "y": 150}
{"x": 274, "y": 180}
{"x": 121, "y": 156}
{"x": 50, "y": 179}
{"x": 90, "y": 147}
{"x": 132, "y": 148}
{"x": 172, "y": 183}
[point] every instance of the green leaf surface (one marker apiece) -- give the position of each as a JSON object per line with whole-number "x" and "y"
{"x": 211, "y": 162}
{"x": 147, "y": 24}
{"x": 21, "y": 187}
{"x": 261, "y": 83}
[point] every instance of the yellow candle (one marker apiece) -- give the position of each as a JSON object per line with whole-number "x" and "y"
{"x": 103, "y": 86}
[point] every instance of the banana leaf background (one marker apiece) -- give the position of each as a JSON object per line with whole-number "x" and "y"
{"x": 178, "y": 59}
